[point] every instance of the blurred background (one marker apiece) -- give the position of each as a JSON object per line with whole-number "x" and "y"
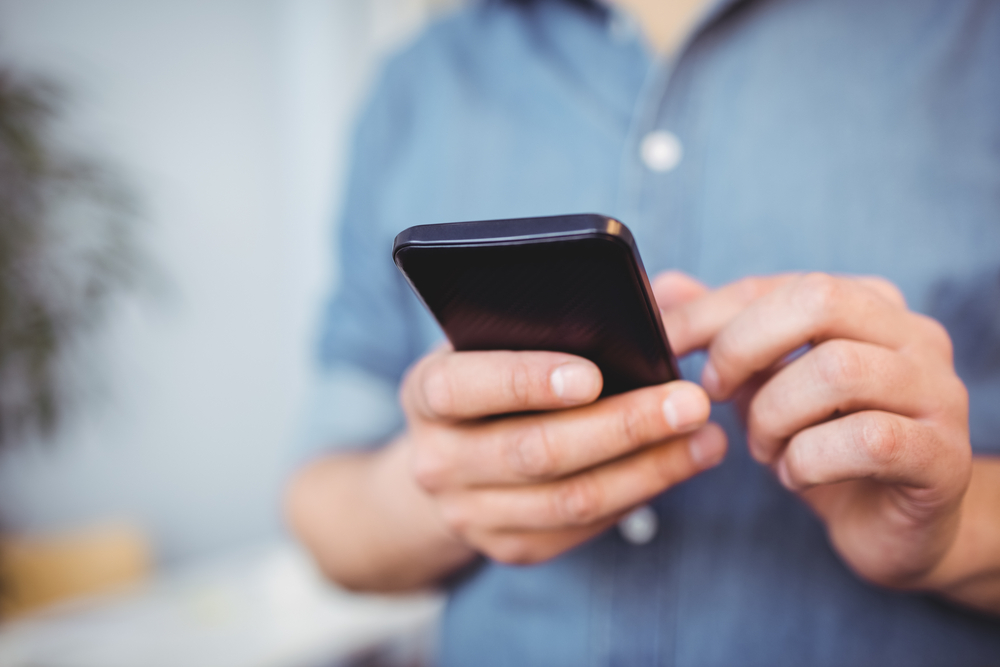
{"x": 227, "y": 122}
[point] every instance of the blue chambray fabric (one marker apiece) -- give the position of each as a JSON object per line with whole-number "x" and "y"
{"x": 833, "y": 135}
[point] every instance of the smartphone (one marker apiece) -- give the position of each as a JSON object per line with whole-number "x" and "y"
{"x": 568, "y": 283}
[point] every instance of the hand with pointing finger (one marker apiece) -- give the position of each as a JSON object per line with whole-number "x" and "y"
{"x": 869, "y": 424}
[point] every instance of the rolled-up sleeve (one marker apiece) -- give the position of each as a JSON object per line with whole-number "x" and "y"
{"x": 373, "y": 327}
{"x": 348, "y": 408}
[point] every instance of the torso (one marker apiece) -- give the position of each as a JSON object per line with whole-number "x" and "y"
{"x": 842, "y": 136}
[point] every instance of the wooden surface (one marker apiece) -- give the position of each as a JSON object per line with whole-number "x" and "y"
{"x": 38, "y": 571}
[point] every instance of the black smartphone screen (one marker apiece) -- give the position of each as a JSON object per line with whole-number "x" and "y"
{"x": 567, "y": 283}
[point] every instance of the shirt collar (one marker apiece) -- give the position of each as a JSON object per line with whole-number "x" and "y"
{"x": 713, "y": 10}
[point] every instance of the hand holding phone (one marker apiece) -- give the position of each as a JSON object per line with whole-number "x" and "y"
{"x": 559, "y": 466}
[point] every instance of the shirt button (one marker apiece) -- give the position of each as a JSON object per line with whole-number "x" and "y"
{"x": 639, "y": 526}
{"x": 661, "y": 150}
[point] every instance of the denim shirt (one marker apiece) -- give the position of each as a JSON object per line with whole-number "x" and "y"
{"x": 852, "y": 136}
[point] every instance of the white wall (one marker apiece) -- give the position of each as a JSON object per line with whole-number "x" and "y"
{"x": 229, "y": 119}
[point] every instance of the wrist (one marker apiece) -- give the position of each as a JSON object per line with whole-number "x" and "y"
{"x": 416, "y": 512}
{"x": 969, "y": 571}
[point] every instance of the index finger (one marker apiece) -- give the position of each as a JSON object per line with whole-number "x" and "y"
{"x": 811, "y": 309}
{"x": 455, "y": 386}
{"x": 549, "y": 446}
{"x": 692, "y": 326}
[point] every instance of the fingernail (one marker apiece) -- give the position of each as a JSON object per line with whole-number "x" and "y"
{"x": 710, "y": 378}
{"x": 706, "y": 448}
{"x": 685, "y": 408}
{"x": 573, "y": 382}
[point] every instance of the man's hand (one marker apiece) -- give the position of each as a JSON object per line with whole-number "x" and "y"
{"x": 852, "y": 399}
{"x": 523, "y": 463}
{"x": 507, "y": 454}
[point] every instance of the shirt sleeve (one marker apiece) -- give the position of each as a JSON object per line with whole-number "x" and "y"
{"x": 373, "y": 327}
{"x": 348, "y": 408}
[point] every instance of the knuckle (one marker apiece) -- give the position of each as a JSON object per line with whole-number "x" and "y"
{"x": 817, "y": 294}
{"x": 577, "y": 501}
{"x": 959, "y": 395}
{"x": 725, "y": 351}
{"x": 750, "y": 288}
{"x": 728, "y": 352}
{"x": 765, "y": 415}
{"x": 431, "y": 469}
{"x": 517, "y": 383}
{"x": 880, "y": 438}
{"x": 512, "y": 550}
{"x": 950, "y": 399}
{"x": 732, "y": 355}
{"x": 838, "y": 364}
{"x": 530, "y": 452}
{"x": 629, "y": 425}
{"x": 937, "y": 337}
{"x": 455, "y": 518}
{"x": 888, "y": 289}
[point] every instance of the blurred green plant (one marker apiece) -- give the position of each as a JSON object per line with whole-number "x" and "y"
{"x": 66, "y": 247}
